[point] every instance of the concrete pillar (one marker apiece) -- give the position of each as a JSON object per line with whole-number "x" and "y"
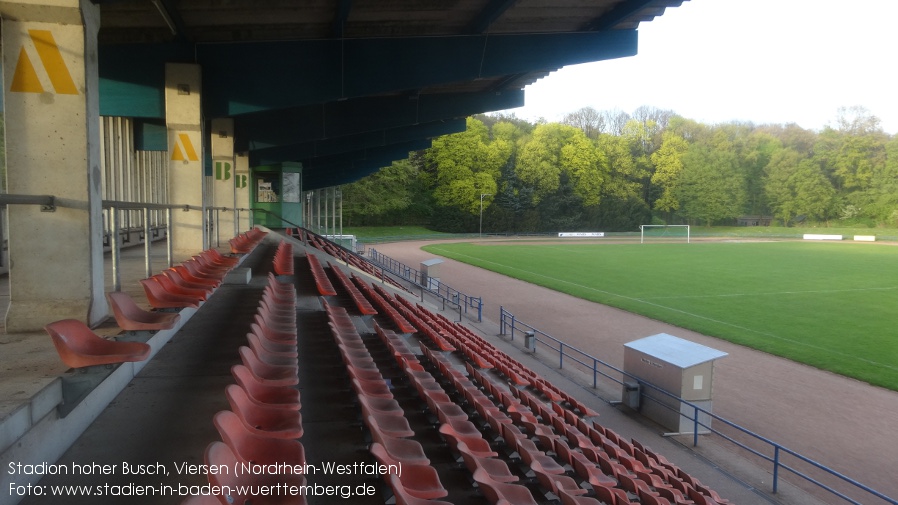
{"x": 51, "y": 107}
{"x": 183, "y": 119}
{"x": 224, "y": 190}
{"x": 241, "y": 185}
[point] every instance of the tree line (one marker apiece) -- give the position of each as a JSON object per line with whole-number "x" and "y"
{"x": 612, "y": 171}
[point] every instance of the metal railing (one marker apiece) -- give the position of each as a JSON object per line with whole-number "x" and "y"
{"x": 113, "y": 231}
{"x": 701, "y": 418}
{"x": 430, "y": 285}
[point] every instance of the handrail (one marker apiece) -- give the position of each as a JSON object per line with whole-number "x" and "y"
{"x": 432, "y": 286}
{"x": 507, "y": 321}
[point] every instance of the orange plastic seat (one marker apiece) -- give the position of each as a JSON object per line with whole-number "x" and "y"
{"x": 160, "y": 298}
{"x": 130, "y": 317}
{"x": 421, "y": 481}
{"x": 263, "y": 329}
{"x": 573, "y": 499}
{"x": 554, "y": 482}
{"x": 271, "y": 357}
{"x": 272, "y": 375}
{"x": 377, "y": 389}
{"x": 169, "y": 285}
{"x": 476, "y": 445}
{"x": 286, "y": 349}
{"x": 409, "y": 451}
{"x": 178, "y": 279}
{"x": 264, "y": 421}
{"x": 496, "y": 468}
{"x": 218, "y": 454}
{"x": 185, "y": 274}
{"x": 501, "y": 492}
{"x": 284, "y": 397}
{"x": 390, "y": 425}
{"x": 78, "y": 346}
{"x": 253, "y": 448}
{"x": 611, "y": 495}
{"x": 403, "y": 497}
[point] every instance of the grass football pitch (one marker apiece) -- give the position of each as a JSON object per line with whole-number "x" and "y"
{"x": 830, "y": 305}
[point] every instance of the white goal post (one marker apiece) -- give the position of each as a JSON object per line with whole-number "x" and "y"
{"x": 642, "y": 228}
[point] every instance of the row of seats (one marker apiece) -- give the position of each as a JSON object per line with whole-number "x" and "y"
{"x": 245, "y": 242}
{"x": 190, "y": 283}
{"x": 348, "y": 258}
{"x": 381, "y": 298}
{"x": 184, "y": 285}
{"x": 322, "y": 283}
{"x": 264, "y": 423}
{"x": 392, "y": 445}
{"x": 362, "y": 303}
{"x": 283, "y": 258}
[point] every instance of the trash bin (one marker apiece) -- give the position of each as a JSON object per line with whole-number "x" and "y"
{"x": 530, "y": 340}
{"x": 631, "y": 395}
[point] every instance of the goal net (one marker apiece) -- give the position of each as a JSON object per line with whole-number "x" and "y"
{"x": 664, "y": 233}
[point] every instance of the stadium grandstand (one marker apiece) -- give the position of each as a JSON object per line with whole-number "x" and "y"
{"x": 175, "y": 334}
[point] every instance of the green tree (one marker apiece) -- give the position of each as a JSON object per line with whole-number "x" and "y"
{"x": 554, "y": 149}
{"x": 387, "y": 190}
{"x": 465, "y": 165}
{"x": 796, "y": 186}
{"x": 668, "y": 161}
{"x": 711, "y": 186}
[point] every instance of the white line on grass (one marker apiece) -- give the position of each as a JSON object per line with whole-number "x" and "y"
{"x": 697, "y": 316}
{"x": 772, "y": 293}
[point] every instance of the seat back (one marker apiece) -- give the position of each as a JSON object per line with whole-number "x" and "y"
{"x": 274, "y": 396}
{"x": 130, "y": 317}
{"x": 253, "y": 448}
{"x": 78, "y": 346}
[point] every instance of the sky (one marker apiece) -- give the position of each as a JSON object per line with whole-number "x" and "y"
{"x": 763, "y": 61}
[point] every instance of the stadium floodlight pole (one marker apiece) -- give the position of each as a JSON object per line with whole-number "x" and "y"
{"x": 481, "y": 211}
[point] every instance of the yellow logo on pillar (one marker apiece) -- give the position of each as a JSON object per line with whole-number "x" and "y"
{"x": 25, "y": 78}
{"x": 183, "y": 149}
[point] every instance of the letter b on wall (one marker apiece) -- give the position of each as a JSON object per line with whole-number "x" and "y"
{"x": 222, "y": 171}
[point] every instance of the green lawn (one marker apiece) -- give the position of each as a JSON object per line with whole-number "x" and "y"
{"x": 830, "y": 305}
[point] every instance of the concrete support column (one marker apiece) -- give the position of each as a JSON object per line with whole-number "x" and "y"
{"x": 183, "y": 119}
{"x": 51, "y": 107}
{"x": 224, "y": 190}
{"x": 241, "y": 185}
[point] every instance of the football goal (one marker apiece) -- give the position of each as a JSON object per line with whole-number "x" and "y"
{"x": 665, "y": 232}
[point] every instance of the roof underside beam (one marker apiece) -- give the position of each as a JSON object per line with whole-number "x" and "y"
{"x": 489, "y": 14}
{"x": 619, "y": 13}
{"x": 305, "y": 151}
{"x": 349, "y": 167}
{"x": 241, "y": 78}
{"x": 342, "y": 118}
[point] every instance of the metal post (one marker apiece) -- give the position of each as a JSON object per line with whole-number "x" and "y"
{"x": 481, "y": 212}
{"x": 695, "y": 429}
{"x": 776, "y": 467}
{"x": 147, "y": 243}
{"x": 595, "y": 373}
{"x": 168, "y": 240}
{"x": 116, "y": 251}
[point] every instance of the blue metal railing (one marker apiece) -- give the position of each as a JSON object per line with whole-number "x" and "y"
{"x": 509, "y": 325}
{"x": 430, "y": 285}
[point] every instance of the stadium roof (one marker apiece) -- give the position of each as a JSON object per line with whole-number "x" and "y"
{"x": 346, "y": 86}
